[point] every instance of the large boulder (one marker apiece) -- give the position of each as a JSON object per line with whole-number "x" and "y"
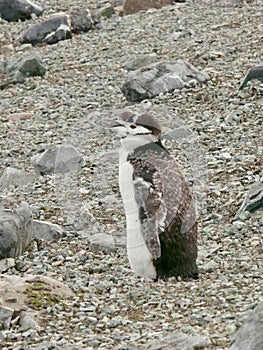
{"x": 15, "y": 10}
{"x": 15, "y": 230}
{"x": 132, "y": 6}
{"x": 250, "y": 334}
{"x": 162, "y": 77}
{"x": 29, "y": 292}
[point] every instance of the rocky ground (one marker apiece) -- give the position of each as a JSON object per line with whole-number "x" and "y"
{"x": 74, "y": 103}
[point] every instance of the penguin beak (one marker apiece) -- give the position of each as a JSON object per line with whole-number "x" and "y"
{"x": 115, "y": 124}
{"x": 119, "y": 127}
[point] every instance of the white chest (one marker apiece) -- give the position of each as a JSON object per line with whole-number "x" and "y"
{"x": 139, "y": 256}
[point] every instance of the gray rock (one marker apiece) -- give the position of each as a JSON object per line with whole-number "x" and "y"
{"x": 160, "y": 78}
{"x": 141, "y": 61}
{"x": 47, "y": 231}
{"x": 62, "y": 160}
{"x": 15, "y": 231}
{"x": 253, "y": 200}
{"x": 59, "y": 26}
{"x": 15, "y": 177}
{"x": 180, "y": 341}
{"x": 26, "y": 321}
{"x": 179, "y": 34}
{"x": 253, "y": 73}
{"x": 250, "y": 335}
{"x": 6, "y": 264}
{"x": 16, "y": 10}
{"x": 17, "y": 71}
{"x": 6, "y": 315}
{"x": 102, "y": 240}
{"x": 106, "y": 11}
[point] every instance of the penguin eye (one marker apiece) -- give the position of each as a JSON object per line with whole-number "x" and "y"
{"x": 133, "y": 126}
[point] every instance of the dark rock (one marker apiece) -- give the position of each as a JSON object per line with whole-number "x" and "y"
{"x": 82, "y": 21}
{"x": 253, "y": 200}
{"x": 58, "y": 27}
{"x": 15, "y": 231}
{"x": 14, "y": 10}
{"x": 253, "y": 73}
{"x": 17, "y": 71}
{"x": 132, "y": 6}
{"x": 250, "y": 335}
{"x": 61, "y": 160}
{"x": 50, "y": 31}
{"x": 157, "y": 78}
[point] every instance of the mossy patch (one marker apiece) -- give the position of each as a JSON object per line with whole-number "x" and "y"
{"x": 40, "y": 296}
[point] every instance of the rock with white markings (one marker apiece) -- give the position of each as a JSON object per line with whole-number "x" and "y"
{"x": 59, "y": 26}
{"x": 15, "y": 10}
{"x": 160, "y": 78}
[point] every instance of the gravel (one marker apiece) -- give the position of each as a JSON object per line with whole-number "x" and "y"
{"x": 223, "y": 157}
